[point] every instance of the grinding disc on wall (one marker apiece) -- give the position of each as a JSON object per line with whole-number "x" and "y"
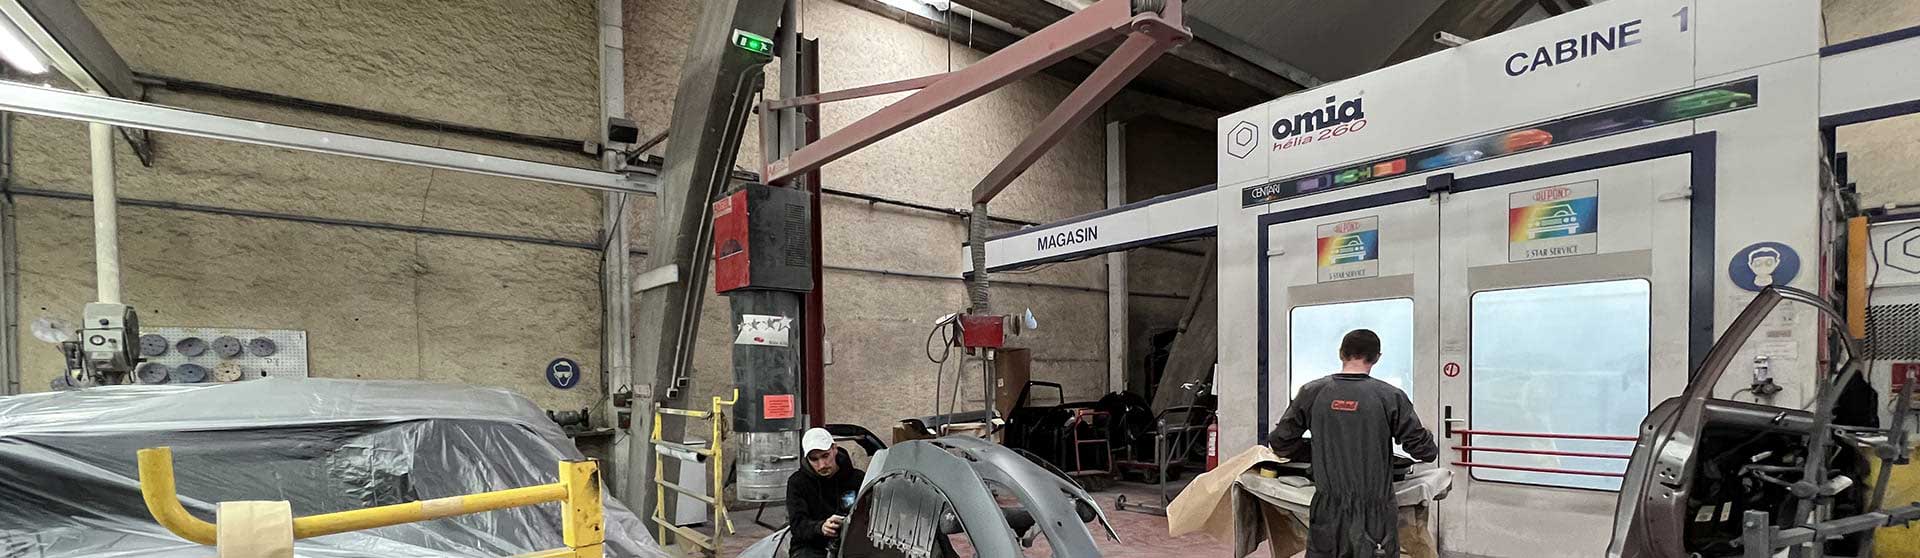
{"x": 227, "y": 346}
{"x": 190, "y": 373}
{"x": 153, "y": 345}
{"x": 191, "y": 346}
{"x": 152, "y": 372}
{"x": 262, "y": 347}
{"x": 228, "y": 372}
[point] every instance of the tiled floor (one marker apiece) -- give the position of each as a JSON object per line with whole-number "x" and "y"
{"x": 1141, "y": 535}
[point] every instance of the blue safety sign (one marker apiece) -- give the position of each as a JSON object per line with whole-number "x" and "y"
{"x": 563, "y": 373}
{"x": 1763, "y": 265}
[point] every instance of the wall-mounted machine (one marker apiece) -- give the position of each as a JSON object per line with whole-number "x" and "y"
{"x": 108, "y": 347}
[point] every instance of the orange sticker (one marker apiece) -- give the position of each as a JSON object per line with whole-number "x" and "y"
{"x": 777, "y": 406}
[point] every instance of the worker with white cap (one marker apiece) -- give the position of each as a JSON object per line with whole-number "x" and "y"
{"x": 820, "y": 495}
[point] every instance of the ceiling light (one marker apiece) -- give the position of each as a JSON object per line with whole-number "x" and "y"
{"x": 15, "y": 49}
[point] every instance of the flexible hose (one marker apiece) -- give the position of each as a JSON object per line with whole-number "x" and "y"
{"x": 940, "y": 362}
{"x": 977, "y": 237}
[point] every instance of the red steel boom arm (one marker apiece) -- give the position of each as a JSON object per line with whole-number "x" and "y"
{"x": 1149, "y": 34}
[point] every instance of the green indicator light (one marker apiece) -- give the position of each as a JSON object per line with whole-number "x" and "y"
{"x": 752, "y": 43}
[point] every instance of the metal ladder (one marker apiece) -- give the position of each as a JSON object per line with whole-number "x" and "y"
{"x": 712, "y": 453}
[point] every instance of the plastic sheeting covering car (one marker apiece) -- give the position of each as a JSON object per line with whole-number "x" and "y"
{"x": 69, "y": 488}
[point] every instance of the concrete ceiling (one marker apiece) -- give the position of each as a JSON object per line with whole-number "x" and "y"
{"x": 1331, "y": 40}
{"x": 1250, "y": 51}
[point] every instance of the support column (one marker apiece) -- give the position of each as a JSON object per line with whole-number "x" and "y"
{"x": 106, "y": 216}
{"x": 616, "y": 300}
{"x": 799, "y": 126}
{"x": 718, "y": 81}
{"x": 1117, "y": 331}
{"x": 9, "y": 268}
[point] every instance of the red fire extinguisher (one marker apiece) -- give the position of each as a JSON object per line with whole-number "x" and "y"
{"x": 1213, "y": 445}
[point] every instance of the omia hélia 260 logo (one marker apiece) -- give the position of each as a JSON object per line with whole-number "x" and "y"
{"x": 1337, "y": 119}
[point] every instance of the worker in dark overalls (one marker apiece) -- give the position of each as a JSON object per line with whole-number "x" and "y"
{"x": 1355, "y": 420}
{"x": 819, "y": 496}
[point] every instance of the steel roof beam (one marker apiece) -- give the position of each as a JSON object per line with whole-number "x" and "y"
{"x": 46, "y": 101}
{"x": 1105, "y": 21}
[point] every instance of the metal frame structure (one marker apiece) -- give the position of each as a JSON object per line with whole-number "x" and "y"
{"x": 581, "y": 522}
{"x": 1169, "y": 443}
{"x": 714, "y": 453}
{"x": 69, "y": 105}
{"x": 75, "y": 48}
{"x": 1149, "y": 32}
{"x": 1467, "y": 449}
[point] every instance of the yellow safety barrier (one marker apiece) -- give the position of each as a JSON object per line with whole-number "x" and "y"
{"x": 713, "y": 454}
{"x": 1900, "y": 541}
{"x": 582, "y": 526}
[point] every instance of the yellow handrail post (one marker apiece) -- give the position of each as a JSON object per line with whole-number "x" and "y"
{"x": 659, "y": 461}
{"x": 163, "y": 499}
{"x": 583, "y": 527}
{"x": 720, "y": 515}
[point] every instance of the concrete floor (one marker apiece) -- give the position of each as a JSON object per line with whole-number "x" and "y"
{"x": 1141, "y": 535}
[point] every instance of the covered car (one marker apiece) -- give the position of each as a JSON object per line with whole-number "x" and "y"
{"x": 69, "y": 486}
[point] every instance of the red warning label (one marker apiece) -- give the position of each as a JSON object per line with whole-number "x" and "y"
{"x": 777, "y": 406}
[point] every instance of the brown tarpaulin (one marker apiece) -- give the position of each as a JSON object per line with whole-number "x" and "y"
{"x": 1215, "y": 504}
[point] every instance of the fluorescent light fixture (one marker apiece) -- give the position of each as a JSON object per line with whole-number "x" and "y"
{"x": 15, "y": 49}
{"x": 915, "y": 7}
{"x": 931, "y": 9}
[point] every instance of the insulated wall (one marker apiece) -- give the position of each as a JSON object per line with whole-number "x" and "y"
{"x": 374, "y": 303}
{"x": 1882, "y": 156}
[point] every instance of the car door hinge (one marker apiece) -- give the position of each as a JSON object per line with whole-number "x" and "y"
{"x": 1681, "y": 194}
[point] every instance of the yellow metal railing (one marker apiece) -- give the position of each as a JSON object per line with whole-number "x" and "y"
{"x": 713, "y": 454}
{"x": 582, "y": 527}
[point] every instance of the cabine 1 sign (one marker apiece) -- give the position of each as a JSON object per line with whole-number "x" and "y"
{"x": 1574, "y": 48}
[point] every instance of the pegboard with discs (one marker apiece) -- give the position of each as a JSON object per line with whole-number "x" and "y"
{"x": 153, "y": 345}
{"x": 152, "y": 372}
{"x": 228, "y": 346}
{"x": 228, "y": 371}
{"x": 255, "y": 353}
{"x": 190, "y": 373}
{"x": 191, "y": 347}
{"x": 262, "y": 347}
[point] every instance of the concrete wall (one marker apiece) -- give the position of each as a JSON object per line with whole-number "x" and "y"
{"x": 892, "y": 271}
{"x": 375, "y": 304}
{"x": 1883, "y": 157}
{"x": 1163, "y": 157}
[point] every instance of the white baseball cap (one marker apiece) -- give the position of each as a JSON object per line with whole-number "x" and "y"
{"x": 816, "y": 439}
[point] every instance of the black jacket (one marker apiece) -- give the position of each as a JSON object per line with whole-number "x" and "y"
{"x": 1355, "y": 419}
{"x": 811, "y": 499}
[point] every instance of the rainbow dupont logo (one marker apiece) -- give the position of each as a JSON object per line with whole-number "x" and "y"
{"x": 1554, "y": 222}
{"x": 1348, "y": 249}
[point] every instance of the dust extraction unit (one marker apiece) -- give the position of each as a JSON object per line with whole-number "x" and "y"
{"x": 761, "y": 254}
